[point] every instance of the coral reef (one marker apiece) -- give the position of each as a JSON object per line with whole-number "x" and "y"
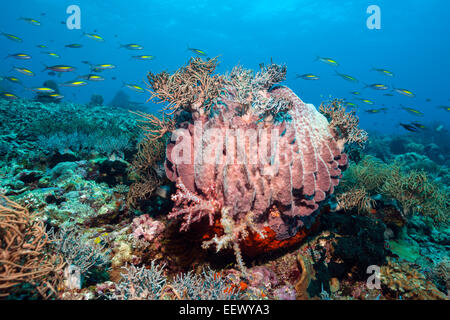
{"x": 97, "y": 197}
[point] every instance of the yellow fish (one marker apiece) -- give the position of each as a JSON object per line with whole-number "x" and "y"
{"x": 24, "y": 71}
{"x": 134, "y": 87}
{"x": 52, "y": 54}
{"x": 405, "y": 92}
{"x": 94, "y": 36}
{"x": 412, "y": 111}
{"x": 31, "y": 21}
{"x": 12, "y": 37}
{"x": 329, "y": 61}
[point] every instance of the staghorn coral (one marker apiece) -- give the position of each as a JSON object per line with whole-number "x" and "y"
{"x": 209, "y": 285}
{"x": 150, "y": 283}
{"x": 267, "y": 176}
{"x": 192, "y": 88}
{"x": 24, "y": 254}
{"x": 76, "y": 252}
{"x": 140, "y": 283}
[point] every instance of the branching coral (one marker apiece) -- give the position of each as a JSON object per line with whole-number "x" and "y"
{"x": 192, "y": 88}
{"x": 249, "y": 90}
{"x": 209, "y": 285}
{"x": 151, "y": 284}
{"x": 345, "y": 124}
{"x": 369, "y": 173}
{"x": 141, "y": 283}
{"x": 77, "y": 252}
{"x": 355, "y": 198}
{"x": 24, "y": 254}
{"x": 157, "y": 128}
{"x": 146, "y": 166}
{"x": 414, "y": 191}
{"x": 417, "y": 194}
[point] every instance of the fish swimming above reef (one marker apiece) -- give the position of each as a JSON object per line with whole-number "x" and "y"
{"x": 308, "y": 76}
{"x": 94, "y": 36}
{"x": 8, "y": 96}
{"x": 373, "y": 111}
{"x": 92, "y": 77}
{"x": 102, "y": 67}
{"x": 366, "y": 101}
{"x": 351, "y": 104}
{"x": 143, "y": 57}
{"x": 19, "y": 56}
{"x": 74, "y": 45}
{"x": 376, "y": 86}
{"x": 405, "y": 92}
{"x": 200, "y": 52}
{"x": 412, "y": 111}
{"x": 409, "y": 127}
{"x": 60, "y": 68}
{"x": 347, "y": 77}
{"x": 13, "y": 80}
{"x": 384, "y": 72}
{"x": 56, "y": 96}
{"x": 42, "y": 90}
{"x": 134, "y": 87}
{"x": 24, "y": 71}
{"x": 11, "y": 37}
{"x": 132, "y": 46}
{"x": 356, "y": 93}
{"x": 418, "y": 125}
{"x": 328, "y": 61}
{"x": 73, "y": 83}
{"x": 32, "y": 21}
{"x": 51, "y": 54}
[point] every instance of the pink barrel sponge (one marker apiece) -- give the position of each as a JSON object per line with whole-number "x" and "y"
{"x": 308, "y": 165}
{"x": 249, "y": 157}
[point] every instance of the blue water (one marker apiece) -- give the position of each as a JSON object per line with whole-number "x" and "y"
{"x": 413, "y": 42}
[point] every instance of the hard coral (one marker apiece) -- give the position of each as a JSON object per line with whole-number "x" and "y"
{"x": 258, "y": 161}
